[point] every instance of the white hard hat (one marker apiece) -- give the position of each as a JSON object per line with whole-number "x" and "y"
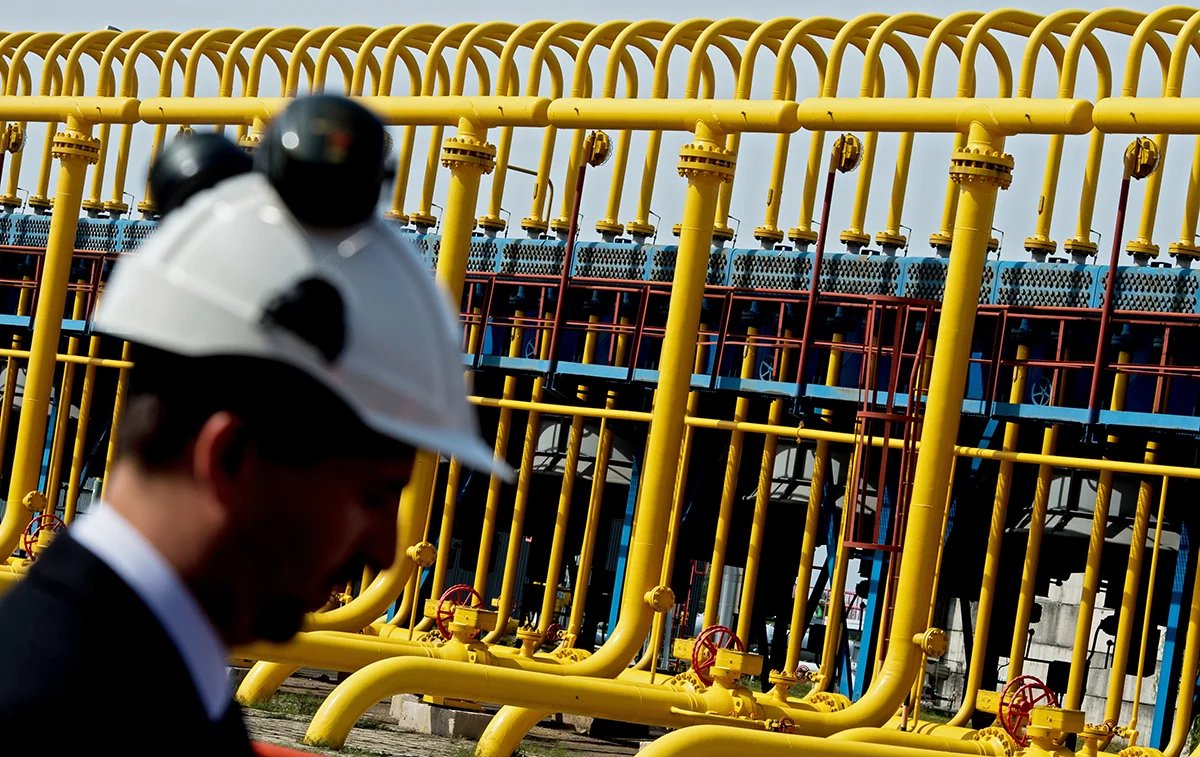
{"x": 206, "y": 281}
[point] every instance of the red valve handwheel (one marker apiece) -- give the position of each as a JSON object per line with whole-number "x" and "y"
{"x": 704, "y": 651}
{"x": 459, "y": 595}
{"x": 43, "y": 522}
{"x": 1017, "y": 701}
{"x": 553, "y": 634}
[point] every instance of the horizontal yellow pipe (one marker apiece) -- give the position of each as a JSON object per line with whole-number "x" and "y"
{"x": 95, "y": 110}
{"x": 485, "y": 112}
{"x": 675, "y": 115}
{"x": 889, "y": 737}
{"x": 1148, "y": 115}
{"x": 999, "y": 115}
{"x": 711, "y": 741}
{"x": 99, "y": 362}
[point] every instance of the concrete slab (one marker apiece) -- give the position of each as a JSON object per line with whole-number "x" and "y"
{"x": 419, "y": 717}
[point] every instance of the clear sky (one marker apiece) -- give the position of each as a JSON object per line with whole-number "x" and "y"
{"x": 926, "y": 188}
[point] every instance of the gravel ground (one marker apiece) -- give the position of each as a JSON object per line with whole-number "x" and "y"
{"x": 284, "y": 720}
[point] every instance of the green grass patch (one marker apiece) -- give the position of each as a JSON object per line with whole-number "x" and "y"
{"x": 540, "y": 750}
{"x": 289, "y": 703}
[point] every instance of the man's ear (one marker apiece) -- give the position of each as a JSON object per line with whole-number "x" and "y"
{"x": 219, "y": 452}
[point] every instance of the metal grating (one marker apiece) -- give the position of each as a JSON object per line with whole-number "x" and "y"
{"x": 856, "y": 274}
{"x": 533, "y": 258}
{"x": 1154, "y": 291}
{"x": 926, "y": 279}
{"x": 664, "y": 265}
{"x": 136, "y": 232}
{"x": 787, "y": 272}
{"x": 1050, "y": 285}
{"x": 95, "y": 235}
{"x": 482, "y": 256}
{"x": 32, "y": 231}
{"x": 610, "y": 262}
{"x": 985, "y": 284}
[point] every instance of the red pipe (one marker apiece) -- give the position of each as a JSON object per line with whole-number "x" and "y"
{"x": 1110, "y": 288}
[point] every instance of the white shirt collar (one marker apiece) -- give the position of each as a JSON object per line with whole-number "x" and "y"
{"x": 115, "y": 541}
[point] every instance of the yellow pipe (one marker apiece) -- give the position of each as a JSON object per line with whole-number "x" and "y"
{"x": 886, "y": 737}
{"x": 118, "y": 413}
{"x": 595, "y": 500}
{"x": 658, "y": 629}
{"x": 11, "y": 367}
{"x": 812, "y": 522}
{"x": 1187, "y": 675}
{"x": 1033, "y": 549}
{"x": 1129, "y": 593}
{"x": 762, "y": 501}
{"x": 991, "y": 562}
{"x": 837, "y": 589}
{"x": 58, "y": 438}
{"x": 1158, "y": 525}
{"x": 495, "y": 484}
{"x": 733, "y": 460}
{"x": 533, "y": 428}
{"x": 919, "y": 685}
{"x": 714, "y": 740}
{"x": 1091, "y": 575}
{"x": 666, "y": 434}
{"x": 566, "y": 492}
{"x": 75, "y": 149}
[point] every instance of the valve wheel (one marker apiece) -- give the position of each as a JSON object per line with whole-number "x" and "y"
{"x": 704, "y": 651}
{"x": 554, "y": 634}
{"x": 1017, "y": 701}
{"x": 459, "y": 595}
{"x": 43, "y": 522}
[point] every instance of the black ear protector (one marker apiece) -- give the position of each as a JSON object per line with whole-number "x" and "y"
{"x": 193, "y": 163}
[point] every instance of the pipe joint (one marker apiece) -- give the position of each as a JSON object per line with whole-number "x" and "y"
{"x": 34, "y": 502}
{"x": 422, "y": 553}
{"x": 981, "y": 165}
{"x": 933, "y": 643}
{"x": 660, "y": 598}
{"x": 464, "y": 151}
{"x": 706, "y": 161}
{"x": 75, "y": 145}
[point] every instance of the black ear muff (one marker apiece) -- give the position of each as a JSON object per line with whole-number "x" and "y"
{"x": 193, "y": 163}
{"x": 314, "y": 311}
{"x": 325, "y": 155}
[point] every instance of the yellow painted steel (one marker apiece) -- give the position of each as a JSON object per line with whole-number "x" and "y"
{"x": 437, "y": 61}
{"x": 991, "y": 563}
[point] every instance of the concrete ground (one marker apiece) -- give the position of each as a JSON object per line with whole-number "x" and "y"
{"x": 284, "y": 719}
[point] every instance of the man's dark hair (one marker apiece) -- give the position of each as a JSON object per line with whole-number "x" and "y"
{"x": 292, "y": 419}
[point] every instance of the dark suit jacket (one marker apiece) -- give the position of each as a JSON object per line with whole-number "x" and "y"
{"x": 86, "y": 668}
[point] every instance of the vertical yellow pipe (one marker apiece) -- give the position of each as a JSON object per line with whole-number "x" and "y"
{"x": 1187, "y": 675}
{"x": 1033, "y": 549}
{"x": 733, "y": 460}
{"x": 81, "y": 429}
{"x": 76, "y": 149}
{"x": 487, "y": 536}
{"x": 991, "y": 562}
{"x": 1129, "y": 593}
{"x": 1146, "y": 615}
{"x": 650, "y": 659}
{"x": 563, "y": 514}
{"x": 919, "y": 684}
{"x": 11, "y": 367}
{"x": 812, "y": 521}
{"x": 1091, "y": 575}
{"x": 533, "y": 427}
{"x": 595, "y": 500}
{"x": 115, "y": 427}
{"x": 1187, "y": 235}
{"x": 837, "y": 589}
{"x": 66, "y": 389}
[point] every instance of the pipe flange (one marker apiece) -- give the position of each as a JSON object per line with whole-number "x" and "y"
{"x": 75, "y": 145}
{"x": 530, "y": 223}
{"x": 802, "y": 236}
{"x": 34, "y": 502}
{"x": 640, "y": 228}
{"x": 1139, "y": 751}
{"x": 422, "y": 553}
{"x": 933, "y": 643}
{"x": 660, "y": 598}
{"x": 467, "y": 152}
{"x": 998, "y": 736}
{"x": 1182, "y": 249}
{"x": 1141, "y": 158}
{"x": 722, "y": 231}
{"x": 888, "y": 239}
{"x": 250, "y": 142}
{"x": 699, "y": 160}
{"x": 1079, "y": 246}
{"x": 979, "y": 164}
{"x": 492, "y": 222}
{"x": 854, "y": 236}
{"x": 828, "y": 701}
{"x": 1142, "y": 246}
{"x": 607, "y": 226}
{"x": 1041, "y": 244}
{"x": 768, "y": 234}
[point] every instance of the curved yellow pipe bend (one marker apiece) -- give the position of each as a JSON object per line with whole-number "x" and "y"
{"x": 713, "y": 740}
